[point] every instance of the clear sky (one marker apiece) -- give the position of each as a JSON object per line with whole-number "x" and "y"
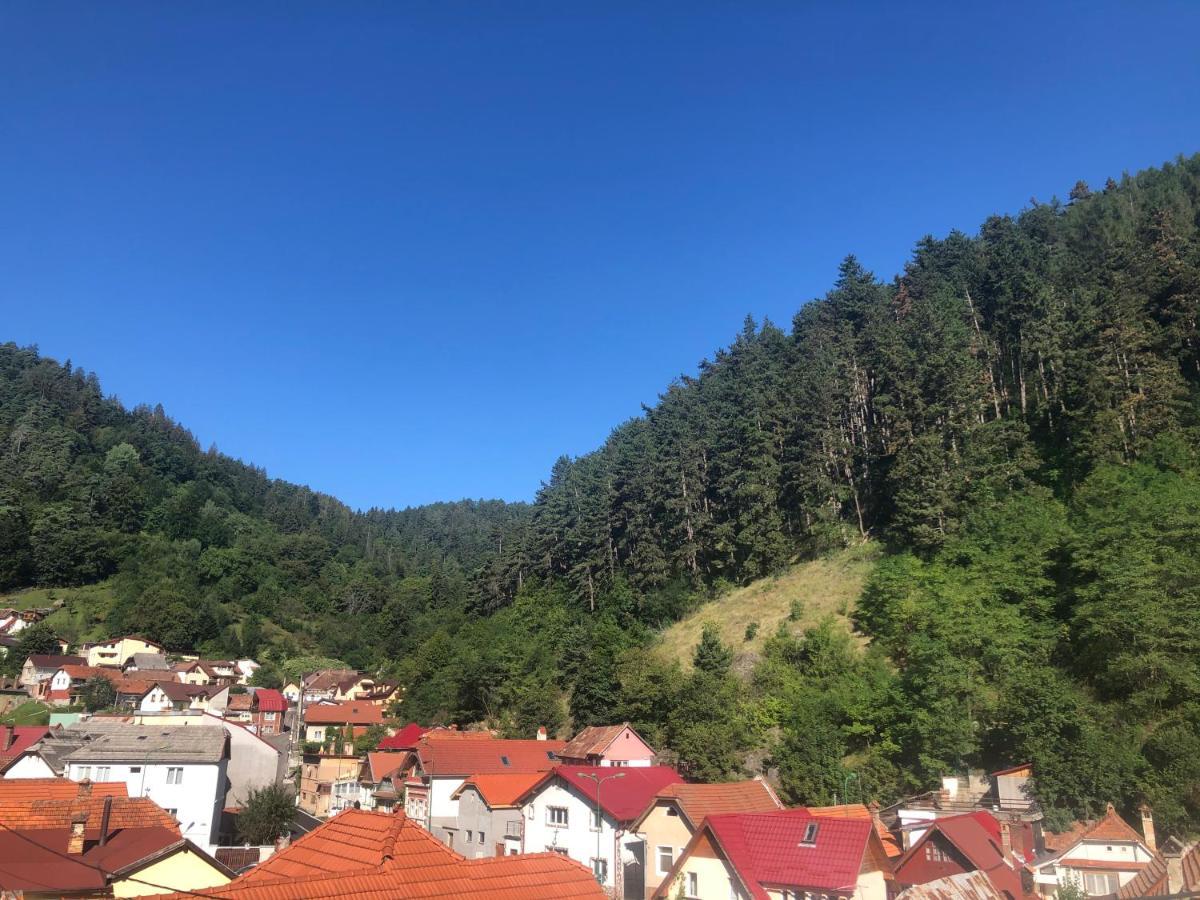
{"x": 407, "y": 252}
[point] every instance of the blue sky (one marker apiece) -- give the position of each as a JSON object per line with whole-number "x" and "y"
{"x": 407, "y": 252}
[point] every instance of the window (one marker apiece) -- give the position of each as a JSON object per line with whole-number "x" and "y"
{"x": 934, "y": 853}
{"x": 693, "y": 885}
{"x": 1100, "y": 883}
{"x": 600, "y": 869}
{"x": 470, "y": 835}
{"x": 596, "y": 818}
{"x": 102, "y": 773}
{"x": 173, "y": 812}
{"x": 481, "y": 837}
{"x": 666, "y": 859}
{"x": 85, "y": 772}
{"x": 133, "y": 770}
{"x": 269, "y": 717}
{"x": 810, "y": 833}
{"x": 557, "y": 816}
{"x": 175, "y": 775}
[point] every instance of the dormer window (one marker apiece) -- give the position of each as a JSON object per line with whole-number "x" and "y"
{"x": 810, "y": 834}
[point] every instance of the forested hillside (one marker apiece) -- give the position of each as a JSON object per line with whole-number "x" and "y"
{"x": 1013, "y": 418}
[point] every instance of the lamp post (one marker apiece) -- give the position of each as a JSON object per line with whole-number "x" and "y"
{"x": 599, "y": 821}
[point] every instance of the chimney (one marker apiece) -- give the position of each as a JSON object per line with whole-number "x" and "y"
{"x": 1148, "y": 827}
{"x": 542, "y": 735}
{"x": 1006, "y": 838}
{"x": 283, "y": 842}
{"x": 75, "y": 843}
{"x": 104, "y": 817}
{"x": 6, "y": 737}
{"x": 85, "y": 789}
{"x": 1173, "y": 856}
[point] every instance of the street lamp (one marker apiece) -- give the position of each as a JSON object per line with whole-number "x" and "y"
{"x": 599, "y": 821}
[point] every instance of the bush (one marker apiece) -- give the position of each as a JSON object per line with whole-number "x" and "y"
{"x": 751, "y": 631}
{"x": 266, "y": 814}
{"x": 796, "y": 610}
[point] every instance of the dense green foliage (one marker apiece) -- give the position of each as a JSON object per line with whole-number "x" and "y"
{"x": 266, "y": 814}
{"x": 1014, "y": 418}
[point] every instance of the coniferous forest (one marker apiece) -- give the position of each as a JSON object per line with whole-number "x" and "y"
{"x": 1012, "y": 420}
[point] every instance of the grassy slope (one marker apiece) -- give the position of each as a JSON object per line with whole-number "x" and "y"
{"x": 82, "y": 614}
{"x": 827, "y": 586}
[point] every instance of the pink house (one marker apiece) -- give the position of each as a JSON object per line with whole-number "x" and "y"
{"x": 607, "y": 745}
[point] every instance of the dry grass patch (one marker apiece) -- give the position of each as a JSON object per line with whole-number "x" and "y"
{"x": 823, "y": 587}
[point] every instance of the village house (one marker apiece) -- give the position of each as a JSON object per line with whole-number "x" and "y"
{"x": 62, "y": 839}
{"x": 43, "y": 757}
{"x": 360, "y": 855}
{"x": 260, "y": 709}
{"x": 585, "y": 812}
{"x": 40, "y": 667}
{"x": 788, "y": 854}
{"x": 246, "y": 669}
{"x": 116, "y": 653}
{"x": 955, "y": 845}
{"x": 320, "y": 771}
{"x": 151, "y": 665}
{"x": 323, "y": 685}
{"x": 608, "y": 745}
{"x": 1174, "y": 870}
{"x": 183, "y": 770}
{"x": 15, "y": 740}
{"x": 490, "y": 817}
{"x": 443, "y": 760}
{"x": 374, "y": 786}
{"x": 1100, "y": 856}
{"x": 162, "y": 696}
{"x": 14, "y": 621}
{"x": 325, "y": 722}
{"x": 674, "y": 813}
{"x": 206, "y": 672}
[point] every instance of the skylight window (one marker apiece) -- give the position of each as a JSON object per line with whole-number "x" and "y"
{"x": 810, "y": 833}
{"x": 504, "y": 759}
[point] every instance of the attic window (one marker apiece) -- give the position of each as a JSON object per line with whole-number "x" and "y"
{"x": 810, "y": 833}
{"x": 504, "y": 759}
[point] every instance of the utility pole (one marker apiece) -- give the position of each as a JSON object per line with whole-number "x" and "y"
{"x": 599, "y": 819}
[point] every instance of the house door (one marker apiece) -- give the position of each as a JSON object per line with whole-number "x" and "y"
{"x": 634, "y": 871}
{"x": 499, "y": 849}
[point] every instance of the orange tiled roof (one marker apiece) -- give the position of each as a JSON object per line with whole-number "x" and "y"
{"x": 353, "y": 713}
{"x": 382, "y": 763}
{"x": 19, "y": 790}
{"x": 126, "y": 812}
{"x": 442, "y": 756}
{"x": 1109, "y": 827}
{"x": 696, "y": 801}
{"x": 858, "y": 811}
{"x": 364, "y": 855}
{"x": 503, "y": 790}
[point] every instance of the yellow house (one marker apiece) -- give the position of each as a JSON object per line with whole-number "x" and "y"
{"x": 180, "y": 868}
{"x": 118, "y": 651}
{"x": 788, "y": 854}
{"x": 672, "y": 817}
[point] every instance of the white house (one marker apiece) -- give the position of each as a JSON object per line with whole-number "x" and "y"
{"x": 183, "y": 770}
{"x": 1100, "y": 856}
{"x": 559, "y": 815}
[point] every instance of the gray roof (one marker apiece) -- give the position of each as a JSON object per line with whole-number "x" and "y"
{"x": 151, "y": 661}
{"x": 57, "y": 746}
{"x": 155, "y": 744}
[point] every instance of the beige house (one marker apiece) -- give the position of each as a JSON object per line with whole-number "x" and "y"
{"x": 318, "y": 773}
{"x": 118, "y": 651}
{"x": 667, "y": 825}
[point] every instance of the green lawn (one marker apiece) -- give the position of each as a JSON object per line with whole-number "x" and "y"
{"x": 28, "y": 713}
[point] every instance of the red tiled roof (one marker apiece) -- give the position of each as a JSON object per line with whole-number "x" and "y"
{"x": 623, "y": 797}
{"x": 976, "y": 836}
{"x": 370, "y": 856}
{"x": 15, "y": 740}
{"x": 270, "y": 700}
{"x": 696, "y": 801}
{"x": 504, "y": 790}
{"x": 33, "y": 860}
{"x": 455, "y": 756}
{"x": 858, "y": 811}
{"x": 404, "y": 739}
{"x": 353, "y": 713}
{"x": 766, "y": 849}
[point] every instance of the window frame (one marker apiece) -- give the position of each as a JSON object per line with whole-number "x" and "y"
{"x": 691, "y": 885}
{"x": 658, "y": 858}
{"x": 600, "y": 869}
{"x": 551, "y": 817}
{"x": 174, "y": 774}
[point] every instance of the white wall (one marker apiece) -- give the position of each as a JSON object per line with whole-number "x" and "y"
{"x": 440, "y": 804}
{"x": 197, "y": 799}
{"x": 578, "y": 837}
{"x": 30, "y": 767}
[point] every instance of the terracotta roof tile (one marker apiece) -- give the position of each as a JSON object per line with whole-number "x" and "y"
{"x": 503, "y": 790}
{"x": 382, "y": 763}
{"x": 696, "y": 801}
{"x": 20, "y": 790}
{"x": 363, "y": 855}
{"x": 455, "y": 756}
{"x": 858, "y": 811}
{"x": 126, "y": 812}
{"x": 353, "y": 713}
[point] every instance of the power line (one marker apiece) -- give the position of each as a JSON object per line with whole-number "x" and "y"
{"x": 105, "y": 872}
